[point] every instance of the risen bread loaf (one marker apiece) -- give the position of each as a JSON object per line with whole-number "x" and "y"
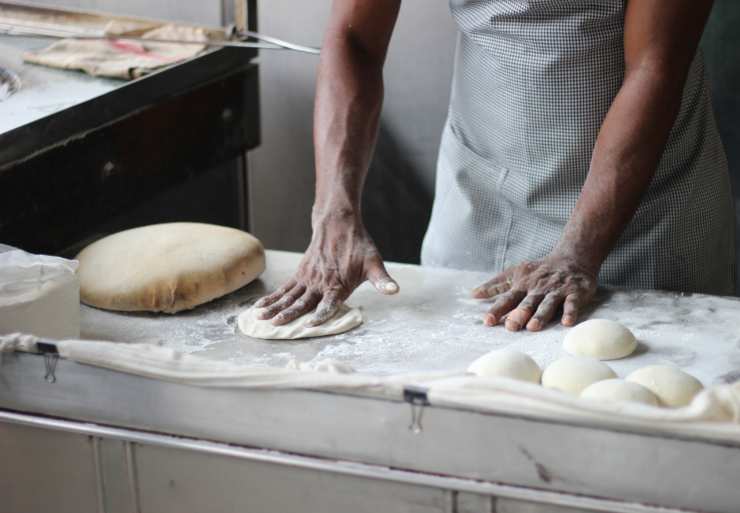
{"x": 168, "y": 267}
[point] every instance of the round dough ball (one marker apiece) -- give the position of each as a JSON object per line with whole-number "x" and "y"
{"x": 600, "y": 338}
{"x": 572, "y": 374}
{"x": 674, "y": 387}
{"x": 619, "y": 390}
{"x": 168, "y": 267}
{"x": 252, "y": 326}
{"x": 507, "y": 363}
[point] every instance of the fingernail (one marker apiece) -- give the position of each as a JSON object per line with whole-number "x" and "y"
{"x": 513, "y": 325}
{"x": 568, "y": 320}
{"x": 390, "y": 287}
{"x": 534, "y": 325}
{"x": 489, "y": 320}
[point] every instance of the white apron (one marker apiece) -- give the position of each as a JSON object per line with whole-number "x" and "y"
{"x": 533, "y": 82}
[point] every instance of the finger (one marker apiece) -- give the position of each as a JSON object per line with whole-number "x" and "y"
{"x": 571, "y": 309}
{"x": 327, "y": 308}
{"x": 284, "y": 302}
{"x": 496, "y": 285}
{"x": 495, "y": 290}
{"x": 503, "y": 305}
{"x": 303, "y": 305}
{"x": 519, "y": 317}
{"x": 379, "y": 277}
{"x": 271, "y": 298}
{"x": 545, "y": 312}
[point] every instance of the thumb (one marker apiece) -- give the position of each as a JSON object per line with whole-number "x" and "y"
{"x": 379, "y": 277}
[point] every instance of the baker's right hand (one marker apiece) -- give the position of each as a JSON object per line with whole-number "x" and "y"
{"x": 340, "y": 257}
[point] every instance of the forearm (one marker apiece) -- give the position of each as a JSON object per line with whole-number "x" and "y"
{"x": 348, "y": 104}
{"x": 349, "y": 95}
{"x": 625, "y": 158}
{"x": 660, "y": 42}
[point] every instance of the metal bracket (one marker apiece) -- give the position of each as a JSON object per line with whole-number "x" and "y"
{"x": 51, "y": 357}
{"x": 417, "y": 397}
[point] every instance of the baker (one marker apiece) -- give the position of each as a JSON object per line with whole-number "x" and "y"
{"x": 580, "y": 148}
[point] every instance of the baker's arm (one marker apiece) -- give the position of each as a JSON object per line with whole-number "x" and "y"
{"x": 660, "y": 41}
{"x": 349, "y": 96}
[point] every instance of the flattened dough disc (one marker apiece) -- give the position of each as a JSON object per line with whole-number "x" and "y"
{"x": 344, "y": 320}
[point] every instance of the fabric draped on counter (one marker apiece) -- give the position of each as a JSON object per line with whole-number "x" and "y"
{"x": 714, "y": 413}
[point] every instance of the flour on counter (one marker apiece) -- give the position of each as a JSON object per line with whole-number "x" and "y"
{"x": 434, "y": 325}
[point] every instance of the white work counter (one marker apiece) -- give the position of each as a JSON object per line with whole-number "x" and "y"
{"x": 434, "y": 325}
{"x": 142, "y": 444}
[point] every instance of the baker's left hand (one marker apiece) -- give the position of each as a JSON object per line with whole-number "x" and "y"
{"x": 529, "y": 294}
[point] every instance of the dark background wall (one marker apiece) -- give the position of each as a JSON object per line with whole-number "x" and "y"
{"x": 721, "y": 47}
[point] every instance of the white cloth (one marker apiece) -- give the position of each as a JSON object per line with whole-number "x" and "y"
{"x": 121, "y": 58}
{"x": 39, "y": 294}
{"x": 715, "y": 413}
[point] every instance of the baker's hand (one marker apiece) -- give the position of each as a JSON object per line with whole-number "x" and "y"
{"x": 340, "y": 257}
{"x": 529, "y": 294}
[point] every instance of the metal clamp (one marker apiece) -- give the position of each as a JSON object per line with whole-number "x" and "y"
{"x": 51, "y": 357}
{"x": 417, "y": 397}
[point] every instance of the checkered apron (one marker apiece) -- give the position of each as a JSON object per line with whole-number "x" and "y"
{"x": 533, "y": 82}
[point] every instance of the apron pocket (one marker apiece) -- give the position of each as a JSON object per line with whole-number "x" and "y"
{"x": 471, "y": 218}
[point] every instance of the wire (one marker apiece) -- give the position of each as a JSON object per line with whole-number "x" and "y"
{"x": 282, "y": 43}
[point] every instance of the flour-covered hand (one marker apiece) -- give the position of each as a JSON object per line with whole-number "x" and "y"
{"x": 529, "y": 294}
{"x": 340, "y": 257}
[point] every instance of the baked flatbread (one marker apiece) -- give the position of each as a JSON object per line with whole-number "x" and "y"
{"x": 168, "y": 267}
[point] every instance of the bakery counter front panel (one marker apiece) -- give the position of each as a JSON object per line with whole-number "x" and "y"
{"x": 455, "y": 449}
{"x": 151, "y": 440}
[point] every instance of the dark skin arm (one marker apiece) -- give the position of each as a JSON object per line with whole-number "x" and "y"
{"x": 349, "y": 95}
{"x": 661, "y": 37}
{"x": 660, "y": 41}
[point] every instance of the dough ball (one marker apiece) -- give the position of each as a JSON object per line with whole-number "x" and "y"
{"x": 600, "y": 338}
{"x": 251, "y": 325}
{"x": 619, "y": 390}
{"x": 507, "y": 363}
{"x": 168, "y": 267}
{"x": 674, "y": 387}
{"x": 572, "y": 374}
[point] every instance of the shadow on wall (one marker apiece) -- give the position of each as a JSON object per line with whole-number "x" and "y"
{"x": 396, "y": 205}
{"x": 721, "y": 45}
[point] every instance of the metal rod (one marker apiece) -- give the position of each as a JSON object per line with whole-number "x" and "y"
{"x": 282, "y": 43}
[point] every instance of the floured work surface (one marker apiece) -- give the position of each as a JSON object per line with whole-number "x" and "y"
{"x": 433, "y": 325}
{"x": 480, "y": 431}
